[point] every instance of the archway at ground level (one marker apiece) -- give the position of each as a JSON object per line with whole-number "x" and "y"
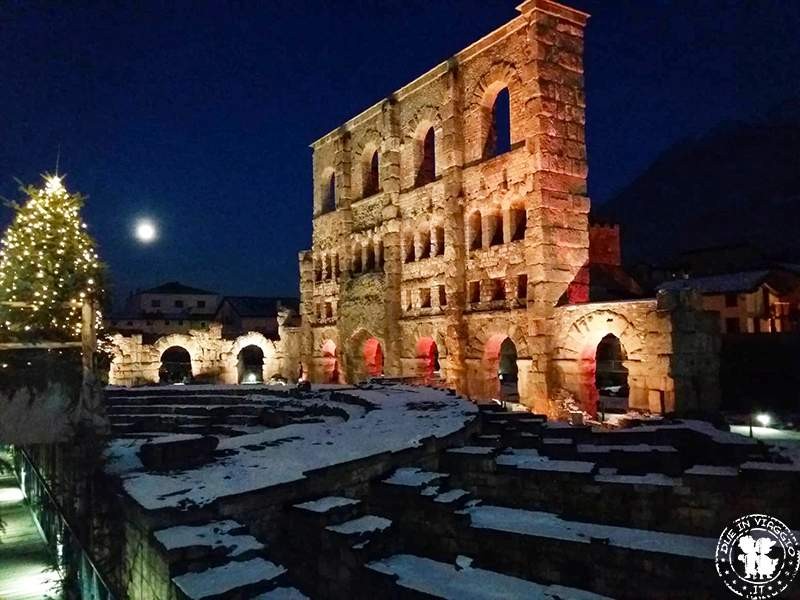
{"x": 373, "y": 357}
{"x": 428, "y": 355}
{"x": 176, "y": 366}
{"x": 501, "y": 361}
{"x": 611, "y": 375}
{"x": 330, "y": 364}
{"x": 251, "y": 364}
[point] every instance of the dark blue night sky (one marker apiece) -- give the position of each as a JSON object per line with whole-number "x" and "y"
{"x": 200, "y": 115}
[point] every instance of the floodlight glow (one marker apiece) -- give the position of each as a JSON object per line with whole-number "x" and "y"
{"x": 764, "y": 419}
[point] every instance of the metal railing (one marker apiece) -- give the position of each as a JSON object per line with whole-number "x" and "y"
{"x": 62, "y": 541}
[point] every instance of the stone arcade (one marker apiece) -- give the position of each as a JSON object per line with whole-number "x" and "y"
{"x": 446, "y": 239}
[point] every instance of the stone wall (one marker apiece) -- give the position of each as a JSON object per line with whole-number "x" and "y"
{"x": 214, "y": 359}
{"x": 482, "y": 246}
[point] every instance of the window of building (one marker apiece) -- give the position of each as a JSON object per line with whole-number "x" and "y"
{"x": 155, "y": 303}
{"x": 438, "y": 241}
{"x": 442, "y": 296}
{"x": 425, "y": 298}
{"x": 731, "y": 300}
{"x": 370, "y": 264}
{"x": 329, "y": 194}
{"x": 498, "y": 138}
{"x": 407, "y": 299}
{"x": 328, "y": 310}
{"x": 357, "y": 266}
{"x": 178, "y": 303}
{"x": 475, "y": 231}
{"x": 427, "y": 166}
{"x": 317, "y": 269}
{"x": 495, "y": 225}
{"x": 498, "y": 289}
{"x": 474, "y": 292}
{"x": 522, "y": 287}
{"x": 336, "y": 266}
{"x": 201, "y": 304}
{"x": 203, "y": 324}
{"x": 424, "y": 243}
{"x": 518, "y": 223}
{"x": 732, "y": 325}
{"x": 372, "y": 176}
{"x": 408, "y": 243}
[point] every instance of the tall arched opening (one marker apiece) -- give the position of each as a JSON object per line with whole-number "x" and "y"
{"x": 428, "y": 356}
{"x": 373, "y": 357}
{"x": 176, "y": 366}
{"x": 330, "y": 364}
{"x": 502, "y": 370}
{"x": 251, "y": 364}
{"x": 611, "y": 375}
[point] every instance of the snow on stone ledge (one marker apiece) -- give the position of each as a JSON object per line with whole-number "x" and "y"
{"x": 413, "y": 477}
{"x": 361, "y": 525}
{"x": 217, "y": 534}
{"x": 323, "y": 505}
{"x": 442, "y": 580}
{"x": 219, "y": 580}
{"x": 401, "y": 418}
{"x": 549, "y": 525}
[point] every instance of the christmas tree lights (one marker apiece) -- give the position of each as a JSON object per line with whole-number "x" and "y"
{"x": 48, "y": 265}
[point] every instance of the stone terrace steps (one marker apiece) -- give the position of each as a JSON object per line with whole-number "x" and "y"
{"x": 539, "y": 546}
{"x": 217, "y": 560}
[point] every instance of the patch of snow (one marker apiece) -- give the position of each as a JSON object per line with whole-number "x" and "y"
{"x": 463, "y": 562}
{"x": 530, "y": 459}
{"x": 323, "y": 505}
{"x": 451, "y": 496}
{"x": 214, "y": 535}
{"x": 647, "y": 479}
{"x": 632, "y": 448}
{"x": 282, "y": 593}
{"x": 413, "y": 477}
{"x": 228, "y": 577}
{"x": 471, "y": 450}
{"x": 444, "y": 580}
{"x": 712, "y": 470}
{"x": 768, "y": 466}
{"x": 402, "y": 417}
{"x": 431, "y": 490}
{"x": 365, "y": 524}
{"x": 549, "y": 525}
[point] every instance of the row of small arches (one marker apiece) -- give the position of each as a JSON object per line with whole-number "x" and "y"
{"x": 497, "y": 141}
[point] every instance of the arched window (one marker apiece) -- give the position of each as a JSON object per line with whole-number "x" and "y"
{"x": 328, "y": 272}
{"x": 438, "y": 240}
{"x": 427, "y": 166}
{"x": 329, "y": 195}
{"x": 494, "y": 223}
{"x": 372, "y": 182}
{"x": 409, "y": 254}
{"x": 336, "y": 266}
{"x": 424, "y": 242}
{"x": 518, "y": 223}
{"x": 369, "y": 265}
{"x": 379, "y": 255}
{"x": 317, "y": 269}
{"x": 357, "y": 267}
{"x": 475, "y": 231}
{"x": 498, "y": 138}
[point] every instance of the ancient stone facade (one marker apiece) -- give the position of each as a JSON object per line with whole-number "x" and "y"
{"x": 214, "y": 359}
{"x": 433, "y": 245}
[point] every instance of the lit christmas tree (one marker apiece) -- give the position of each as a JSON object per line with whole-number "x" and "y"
{"x": 48, "y": 265}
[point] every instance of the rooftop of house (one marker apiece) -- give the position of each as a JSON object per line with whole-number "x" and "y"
{"x": 176, "y": 287}
{"x": 259, "y": 306}
{"x": 743, "y": 281}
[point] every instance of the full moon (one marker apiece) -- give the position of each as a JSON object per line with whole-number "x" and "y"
{"x": 145, "y": 231}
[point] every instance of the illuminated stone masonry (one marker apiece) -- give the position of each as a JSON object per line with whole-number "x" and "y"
{"x": 209, "y": 357}
{"x": 450, "y": 242}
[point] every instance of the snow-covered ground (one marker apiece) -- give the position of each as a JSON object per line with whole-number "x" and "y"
{"x": 394, "y": 418}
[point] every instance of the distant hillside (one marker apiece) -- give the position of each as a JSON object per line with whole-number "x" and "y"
{"x": 738, "y": 183}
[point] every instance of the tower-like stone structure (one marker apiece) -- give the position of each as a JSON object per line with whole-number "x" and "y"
{"x": 437, "y": 249}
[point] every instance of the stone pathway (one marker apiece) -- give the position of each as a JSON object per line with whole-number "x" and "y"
{"x": 26, "y": 571}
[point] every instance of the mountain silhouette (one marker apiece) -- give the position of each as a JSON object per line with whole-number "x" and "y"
{"x": 738, "y": 183}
